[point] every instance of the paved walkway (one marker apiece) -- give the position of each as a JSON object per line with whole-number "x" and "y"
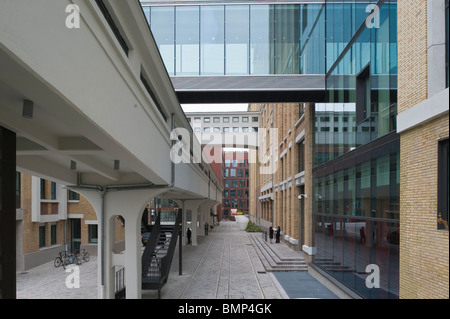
{"x": 228, "y": 263}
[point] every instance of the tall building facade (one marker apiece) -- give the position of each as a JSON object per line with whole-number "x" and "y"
{"x": 336, "y": 190}
{"x": 285, "y": 129}
{"x": 423, "y": 124}
{"x": 235, "y": 183}
{"x": 378, "y": 139}
{"x": 356, "y": 168}
{"x": 234, "y": 163}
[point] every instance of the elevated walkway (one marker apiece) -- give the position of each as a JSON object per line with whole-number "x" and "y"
{"x": 277, "y": 257}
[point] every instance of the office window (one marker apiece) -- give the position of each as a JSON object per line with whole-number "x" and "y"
{"x": 235, "y": 119}
{"x": 233, "y": 172}
{"x": 227, "y": 183}
{"x": 73, "y": 195}
{"x": 301, "y": 156}
{"x": 234, "y": 183}
{"x": 93, "y": 234}
{"x": 197, "y": 120}
{"x": 443, "y": 183}
{"x": 212, "y": 39}
{"x": 226, "y": 129}
{"x": 53, "y": 190}
{"x": 236, "y": 129}
{"x": 206, "y": 129}
{"x": 187, "y": 35}
{"x": 216, "y": 119}
{"x": 42, "y": 188}
{"x": 217, "y": 129}
{"x": 206, "y": 119}
{"x": 53, "y": 234}
{"x": 41, "y": 236}
{"x": 245, "y": 129}
{"x": 242, "y": 183}
{"x": 363, "y": 99}
{"x": 232, "y": 193}
{"x": 254, "y": 119}
{"x": 197, "y": 130}
{"x": 226, "y": 120}
{"x": 245, "y": 119}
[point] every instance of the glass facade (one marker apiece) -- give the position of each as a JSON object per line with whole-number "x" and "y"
{"x": 356, "y": 152}
{"x": 254, "y": 39}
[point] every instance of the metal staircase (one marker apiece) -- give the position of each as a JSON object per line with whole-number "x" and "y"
{"x": 158, "y": 254}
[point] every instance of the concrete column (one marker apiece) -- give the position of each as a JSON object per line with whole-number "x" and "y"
{"x": 192, "y": 206}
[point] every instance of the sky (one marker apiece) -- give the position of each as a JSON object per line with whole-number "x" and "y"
{"x": 214, "y": 107}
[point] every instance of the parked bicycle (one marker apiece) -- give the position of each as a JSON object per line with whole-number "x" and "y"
{"x": 64, "y": 259}
{"x": 84, "y": 255}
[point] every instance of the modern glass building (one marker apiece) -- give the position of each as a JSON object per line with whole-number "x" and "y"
{"x": 227, "y": 39}
{"x": 357, "y": 165}
{"x": 353, "y": 45}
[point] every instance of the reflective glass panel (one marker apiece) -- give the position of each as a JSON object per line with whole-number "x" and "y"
{"x": 187, "y": 40}
{"x": 237, "y": 39}
{"x": 163, "y": 29}
{"x": 212, "y": 40}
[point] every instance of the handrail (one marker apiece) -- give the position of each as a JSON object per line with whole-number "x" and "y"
{"x": 166, "y": 261}
{"x": 151, "y": 245}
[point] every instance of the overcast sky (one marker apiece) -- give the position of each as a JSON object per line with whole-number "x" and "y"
{"x": 214, "y": 107}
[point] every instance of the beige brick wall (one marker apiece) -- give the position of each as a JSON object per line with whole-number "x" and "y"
{"x": 285, "y": 204}
{"x": 424, "y": 250}
{"x": 412, "y": 53}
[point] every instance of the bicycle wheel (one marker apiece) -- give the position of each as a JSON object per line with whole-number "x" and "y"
{"x": 79, "y": 260}
{"x": 86, "y": 257}
{"x": 58, "y": 262}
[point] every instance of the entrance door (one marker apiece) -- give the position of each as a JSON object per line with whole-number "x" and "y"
{"x": 76, "y": 233}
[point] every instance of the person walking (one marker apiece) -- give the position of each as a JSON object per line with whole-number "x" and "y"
{"x": 271, "y": 234}
{"x": 206, "y": 229}
{"x": 277, "y": 235}
{"x": 189, "y": 234}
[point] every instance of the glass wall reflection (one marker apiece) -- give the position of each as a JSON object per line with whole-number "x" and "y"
{"x": 357, "y": 219}
{"x": 356, "y": 152}
{"x": 240, "y": 39}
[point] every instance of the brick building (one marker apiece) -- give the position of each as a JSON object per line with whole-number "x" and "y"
{"x": 50, "y": 219}
{"x": 423, "y": 124}
{"x": 235, "y": 183}
{"x": 284, "y": 139}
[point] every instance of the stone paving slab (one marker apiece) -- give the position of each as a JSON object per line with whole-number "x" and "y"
{"x": 226, "y": 264}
